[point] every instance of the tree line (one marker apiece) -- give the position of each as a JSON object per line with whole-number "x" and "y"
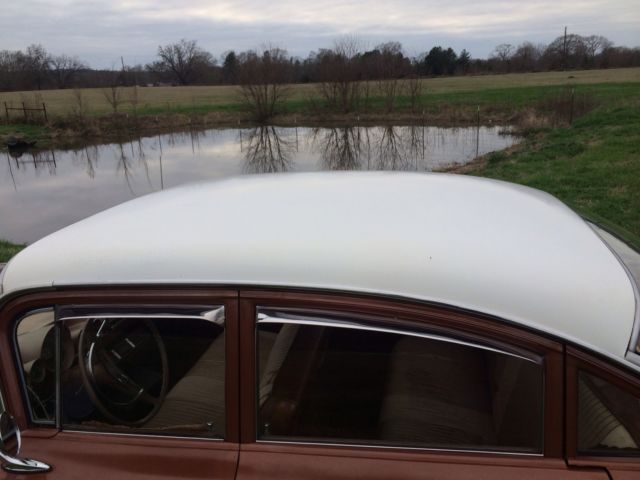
{"x": 186, "y": 63}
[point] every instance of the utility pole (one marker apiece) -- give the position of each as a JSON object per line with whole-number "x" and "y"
{"x": 123, "y": 74}
{"x": 564, "y": 50}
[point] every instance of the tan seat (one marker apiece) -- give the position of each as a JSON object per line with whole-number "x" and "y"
{"x": 597, "y": 426}
{"x": 287, "y": 372}
{"x": 436, "y": 395}
{"x": 197, "y": 399}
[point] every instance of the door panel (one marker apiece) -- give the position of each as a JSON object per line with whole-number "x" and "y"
{"x": 603, "y": 421}
{"x": 295, "y": 462}
{"x": 94, "y": 456}
{"x": 109, "y": 453}
{"x": 467, "y": 343}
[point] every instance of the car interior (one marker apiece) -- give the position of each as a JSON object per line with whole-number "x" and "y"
{"x": 343, "y": 385}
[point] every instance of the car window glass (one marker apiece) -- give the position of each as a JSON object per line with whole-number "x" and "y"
{"x": 35, "y": 336}
{"x": 155, "y": 373}
{"x": 608, "y": 418}
{"x": 327, "y": 384}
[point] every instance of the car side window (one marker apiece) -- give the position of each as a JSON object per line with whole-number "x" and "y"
{"x": 608, "y": 418}
{"x": 151, "y": 370}
{"x": 35, "y": 336}
{"x": 328, "y": 380}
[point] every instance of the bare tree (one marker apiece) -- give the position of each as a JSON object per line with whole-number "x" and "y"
{"x": 112, "y": 92}
{"x": 526, "y": 57}
{"x": 9, "y": 69}
{"x": 390, "y": 66}
{"x": 37, "y": 64}
{"x": 113, "y": 96}
{"x": 503, "y": 54}
{"x": 339, "y": 74}
{"x": 595, "y": 44}
{"x": 263, "y": 78}
{"x": 183, "y": 61}
{"x": 80, "y": 107}
{"x": 566, "y": 51}
{"x": 413, "y": 85}
{"x": 134, "y": 99}
{"x": 64, "y": 69}
{"x": 503, "y": 51}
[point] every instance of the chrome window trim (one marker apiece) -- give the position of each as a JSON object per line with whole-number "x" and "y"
{"x": 321, "y": 322}
{"x": 397, "y": 447}
{"x": 207, "y": 316}
{"x": 2, "y": 404}
{"x": 145, "y": 435}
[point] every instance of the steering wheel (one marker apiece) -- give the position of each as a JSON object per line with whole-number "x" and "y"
{"x": 122, "y": 376}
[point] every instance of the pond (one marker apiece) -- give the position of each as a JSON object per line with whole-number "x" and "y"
{"x": 45, "y": 191}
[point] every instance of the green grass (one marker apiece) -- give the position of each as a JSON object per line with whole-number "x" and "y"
{"x": 593, "y": 166}
{"x": 28, "y": 131}
{"x": 8, "y": 250}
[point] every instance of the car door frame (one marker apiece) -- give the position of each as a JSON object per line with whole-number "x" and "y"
{"x": 401, "y": 313}
{"x": 619, "y": 467}
{"x": 50, "y": 444}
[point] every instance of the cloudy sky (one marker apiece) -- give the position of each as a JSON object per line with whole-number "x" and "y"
{"x": 101, "y": 31}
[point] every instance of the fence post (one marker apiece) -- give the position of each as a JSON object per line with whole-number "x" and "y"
{"x": 44, "y": 110}
{"x": 478, "y": 133}
{"x": 6, "y": 111}
{"x": 573, "y": 91}
{"x": 24, "y": 110}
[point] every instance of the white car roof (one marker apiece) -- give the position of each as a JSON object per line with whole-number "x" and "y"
{"x": 484, "y": 245}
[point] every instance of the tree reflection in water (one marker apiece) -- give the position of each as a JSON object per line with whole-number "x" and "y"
{"x": 341, "y": 148}
{"x": 380, "y": 148}
{"x": 267, "y": 151}
{"x": 401, "y": 148}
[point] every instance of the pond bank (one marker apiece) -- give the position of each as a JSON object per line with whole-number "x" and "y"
{"x": 73, "y": 132}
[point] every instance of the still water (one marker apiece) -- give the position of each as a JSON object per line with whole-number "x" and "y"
{"x": 40, "y": 193}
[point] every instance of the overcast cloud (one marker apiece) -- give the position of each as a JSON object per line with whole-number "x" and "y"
{"x": 100, "y": 32}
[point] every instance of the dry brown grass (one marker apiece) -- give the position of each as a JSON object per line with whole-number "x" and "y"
{"x": 62, "y": 102}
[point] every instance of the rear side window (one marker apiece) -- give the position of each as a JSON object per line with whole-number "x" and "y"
{"x": 339, "y": 381}
{"x": 608, "y": 418}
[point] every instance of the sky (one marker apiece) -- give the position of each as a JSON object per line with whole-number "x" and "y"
{"x": 100, "y": 32}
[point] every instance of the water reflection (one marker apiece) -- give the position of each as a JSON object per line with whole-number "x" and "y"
{"x": 19, "y": 161}
{"x": 44, "y": 191}
{"x": 267, "y": 150}
{"x": 341, "y": 148}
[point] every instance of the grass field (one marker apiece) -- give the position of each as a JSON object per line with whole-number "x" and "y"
{"x": 593, "y": 166}
{"x": 8, "y": 250}
{"x": 479, "y": 90}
